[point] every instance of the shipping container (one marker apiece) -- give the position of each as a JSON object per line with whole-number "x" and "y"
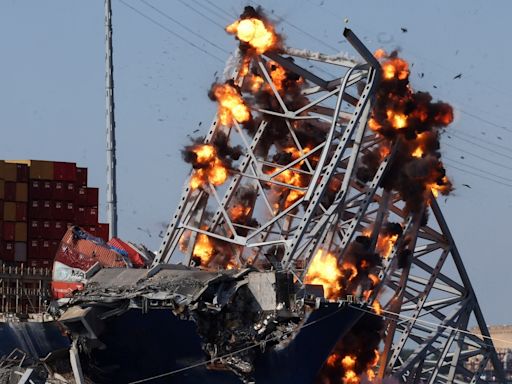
{"x": 58, "y": 208}
{"x": 103, "y": 231}
{"x": 20, "y": 252}
{"x": 34, "y": 246}
{"x": 91, "y": 215}
{"x": 7, "y": 250}
{"x": 92, "y": 197}
{"x": 46, "y": 209}
{"x": 10, "y": 191}
{"x": 34, "y": 209}
{"x": 21, "y": 192}
{"x": 22, "y": 173}
{"x": 59, "y": 228}
{"x": 21, "y": 232}
{"x": 69, "y": 211}
{"x": 34, "y": 190}
{"x": 46, "y": 229}
{"x": 9, "y": 211}
{"x": 59, "y": 192}
{"x": 81, "y": 177}
{"x": 80, "y": 216}
{"x": 34, "y": 229}
{"x": 70, "y": 193}
{"x": 8, "y": 171}
{"x": 41, "y": 263}
{"x": 64, "y": 171}
{"x": 2, "y": 189}
{"x": 21, "y": 211}
{"x": 8, "y": 231}
{"x": 42, "y": 170}
{"x": 46, "y": 189}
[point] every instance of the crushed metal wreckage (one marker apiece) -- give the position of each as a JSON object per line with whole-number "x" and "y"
{"x": 234, "y": 322}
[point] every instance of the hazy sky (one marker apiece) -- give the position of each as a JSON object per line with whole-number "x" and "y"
{"x": 52, "y": 99}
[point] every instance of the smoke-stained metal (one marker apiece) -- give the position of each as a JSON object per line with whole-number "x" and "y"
{"x": 110, "y": 125}
{"x": 427, "y": 298}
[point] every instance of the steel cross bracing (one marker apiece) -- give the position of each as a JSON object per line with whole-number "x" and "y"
{"x": 427, "y": 297}
{"x": 337, "y": 109}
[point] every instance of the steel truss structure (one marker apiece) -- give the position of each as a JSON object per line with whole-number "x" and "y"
{"x": 427, "y": 297}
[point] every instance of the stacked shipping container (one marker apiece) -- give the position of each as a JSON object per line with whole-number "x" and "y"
{"x": 38, "y": 201}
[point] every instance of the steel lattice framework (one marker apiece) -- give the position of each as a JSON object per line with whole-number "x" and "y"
{"x": 428, "y": 299}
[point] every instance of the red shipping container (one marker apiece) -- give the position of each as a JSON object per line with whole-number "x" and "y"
{"x": 34, "y": 229}
{"x": 92, "y": 230}
{"x": 34, "y": 190}
{"x": 8, "y": 231}
{"x": 40, "y": 263}
{"x": 46, "y": 230}
{"x": 91, "y": 215}
{"x": 7, "y": 251}
{"x": 64, "y": 171}
{"x": 81, "y": 196}
{"x": 10, "y": 191}
{"x": 102, "y": 230}
{"x": 21, "y": 211}
{"x": 69, "y": 211}
{"x": 80, "y": 216}
{"x": 62, "y": 289}
{"x": 133, "y": 255}
{"x": 22, "y": 172}
{"x": 92, "y": 197}
{"x": 46, "y": 209}
{"x": 81, "y": 177}
{"x": 58, "y": 208}
{"x": 46, "y": 190}
{"x": 34, "y": 209}
{"x": 59, "y": 229}
{"x": 34, "y": 249}
{"x": 59, "y": 191}
{"x": 70, "y": 192}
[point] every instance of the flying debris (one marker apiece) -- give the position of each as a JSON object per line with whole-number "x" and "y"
{"x": 457, "y": 76}
{"x": 467, "y": 185}
{"x": 403, "y": 29}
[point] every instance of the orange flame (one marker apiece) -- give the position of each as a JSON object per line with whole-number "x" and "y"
{"x": 254, "y": 32}
{"x": 397, "y": 120}
{"x": 349, "y": 363}
{"x": 377, "y": 307}
{"x": 239, "y": 211}
{"x": 324, "y": 271}
{"x": 211, "y": 167}
{"x": 385, "y": 244}
{"x": 231, "y": 104}
{"x": 443, "y": 187}
{"x": 395, "y": 68}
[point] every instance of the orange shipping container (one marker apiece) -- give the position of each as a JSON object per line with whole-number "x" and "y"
{"x": 22, "y": 192}
{"x": 8, "y": 171}
{"x": 21, "y": 232}
{"x": 9, "y": 211}
{"x": 42, "y": 170}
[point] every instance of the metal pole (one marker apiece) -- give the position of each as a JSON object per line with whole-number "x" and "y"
{"x": 110, "y": 124}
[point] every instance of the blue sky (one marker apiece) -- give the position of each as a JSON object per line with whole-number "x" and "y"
{"x": 52, "y": 99}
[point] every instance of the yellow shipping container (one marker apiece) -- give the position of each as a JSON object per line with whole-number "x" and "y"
{"x": 38, "y": 169}
{"x": 20, "y": 233}
{"x": 8, "y": 171}
{"x": 22, "y": 192}
{"x": 2, "y": 191}
{"x": 9, "y": 211}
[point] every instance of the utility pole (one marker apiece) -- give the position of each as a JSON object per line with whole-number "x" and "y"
{"x": 110, "y": 124}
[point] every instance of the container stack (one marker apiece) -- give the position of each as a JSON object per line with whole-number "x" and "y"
{"x": 39, "y": 201}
